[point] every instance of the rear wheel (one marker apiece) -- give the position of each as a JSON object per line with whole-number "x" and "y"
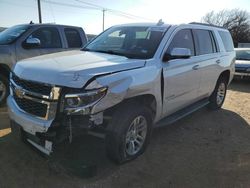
{"x": 219, "y": 94}
{"x": 128, "y": 133}
{"x": 4, "y": 89}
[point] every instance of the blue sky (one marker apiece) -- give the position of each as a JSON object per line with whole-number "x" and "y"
{"x": 14, "y": 12}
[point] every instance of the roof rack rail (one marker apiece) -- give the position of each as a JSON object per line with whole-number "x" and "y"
{"x": 206, "y": 24}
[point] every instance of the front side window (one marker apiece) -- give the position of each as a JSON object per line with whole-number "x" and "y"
{"x": 11, "y": 34}
{"x": 203, "y": 42}
{"x": 182, "y": 39}
{"x": 73, "y": 38}
{"x": 49, "y": 37}
{"x": 130, "y": 41}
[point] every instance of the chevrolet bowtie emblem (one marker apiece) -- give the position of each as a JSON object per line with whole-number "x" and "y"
{"x": 19, "y": 93}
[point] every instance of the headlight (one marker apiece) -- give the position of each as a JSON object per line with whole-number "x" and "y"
{"x": 80, "y": 100}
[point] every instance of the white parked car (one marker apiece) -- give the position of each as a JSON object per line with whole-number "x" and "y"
{"x": 242, "y": 64}
{"x": 126, "y": 81}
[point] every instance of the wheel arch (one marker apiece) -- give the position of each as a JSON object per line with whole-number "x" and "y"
{"x": 148, "y": 100}
{"x": 225, "y": 74}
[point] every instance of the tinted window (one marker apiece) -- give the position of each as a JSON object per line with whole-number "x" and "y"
{"x": 227, "y": 41}
{"x": 73, "y": 38}
{"x": 182, "y": 39}
{"x": 203, "y": 42}
{"x": 48, "y": 36}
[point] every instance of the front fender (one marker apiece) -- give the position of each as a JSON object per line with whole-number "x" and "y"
{"x": 128, "y": 84}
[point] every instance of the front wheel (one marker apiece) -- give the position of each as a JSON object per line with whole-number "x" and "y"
{"x": 128, "y": 133}
{"x": 219, "y": 94}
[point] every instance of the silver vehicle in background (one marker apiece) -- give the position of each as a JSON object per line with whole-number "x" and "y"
{"x": 29, "y": 40}
{"x": 126, "y": 81}
{"x": 242, "y": 64}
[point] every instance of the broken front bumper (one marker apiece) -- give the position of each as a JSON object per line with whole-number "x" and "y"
{"x": 43, "y": 145}
{"x": 46, "y": 134}
{"x": 28, "y": 122}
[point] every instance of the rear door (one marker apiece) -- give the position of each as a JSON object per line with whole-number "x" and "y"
{"x": 181, "y": 76}
{"x": 208, "y": 53}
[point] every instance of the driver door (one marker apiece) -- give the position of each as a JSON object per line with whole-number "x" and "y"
{"x": 181, "y": 76}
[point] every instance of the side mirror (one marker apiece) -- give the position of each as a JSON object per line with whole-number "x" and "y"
{"x": 32, "y": 43}
{"x": 177, "y": 53}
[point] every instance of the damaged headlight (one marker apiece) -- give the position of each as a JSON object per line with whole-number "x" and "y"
{"x": 80, "y": 102}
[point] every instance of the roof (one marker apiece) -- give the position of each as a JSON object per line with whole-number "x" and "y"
{"x": 144, "y": 25}
{"x": 49, "y": 24}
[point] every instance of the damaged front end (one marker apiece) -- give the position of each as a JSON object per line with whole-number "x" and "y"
{"x": 48, "y": 115}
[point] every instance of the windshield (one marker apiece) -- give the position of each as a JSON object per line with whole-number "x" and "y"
{"x": 131, "y": 42}
{"x": 243, "y": 55}
{"x": 12, "y": 33}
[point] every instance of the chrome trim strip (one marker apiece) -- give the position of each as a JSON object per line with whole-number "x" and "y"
{"x": 54, "y": 94}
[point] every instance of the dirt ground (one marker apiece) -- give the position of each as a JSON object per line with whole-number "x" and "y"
{"x": 207, "y": 149}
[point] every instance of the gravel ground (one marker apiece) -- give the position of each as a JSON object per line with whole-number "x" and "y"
{"x": 206, "y": 149}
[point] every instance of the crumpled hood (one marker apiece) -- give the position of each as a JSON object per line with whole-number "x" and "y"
{"x": 72, "y": 68}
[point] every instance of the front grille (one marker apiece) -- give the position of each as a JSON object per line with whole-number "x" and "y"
{"x": 32, "y": 86}
{"x": 32, "y": 107}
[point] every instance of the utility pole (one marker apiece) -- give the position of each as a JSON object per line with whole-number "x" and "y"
{"x": 39, "y": 11}
{"x": 103, "y": 18}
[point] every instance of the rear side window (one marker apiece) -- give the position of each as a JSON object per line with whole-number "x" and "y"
{"x": 73, "y": 38}
{"x": 227, "y": 41}
{"x": 182, "y": 39}
{"x": 48, "y": 36}
{"x": 204, "y": 42}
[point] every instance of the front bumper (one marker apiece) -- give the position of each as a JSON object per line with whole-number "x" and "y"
{"x": 28, "y": 122}
{"x": 242, "y": 74}
{"x": 43, "y": 145}
{"x": 242, "y": 71}
{"x": 42, "y": 134}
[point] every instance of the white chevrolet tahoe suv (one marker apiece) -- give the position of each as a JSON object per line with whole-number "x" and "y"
{"x": 128, "y": 80}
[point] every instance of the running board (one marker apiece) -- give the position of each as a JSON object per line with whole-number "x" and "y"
{"x": 182, "y": 113}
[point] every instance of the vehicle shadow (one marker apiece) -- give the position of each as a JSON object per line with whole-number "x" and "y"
{"x": 241, "y": 85}
{"x": 210, "y": 140}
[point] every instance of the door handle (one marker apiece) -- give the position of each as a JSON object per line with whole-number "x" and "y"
{"x": 196, "y": 67}
{"x": 217, "y": 61}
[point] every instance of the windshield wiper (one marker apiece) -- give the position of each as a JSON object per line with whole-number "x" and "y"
{"x": 127, "y": 55}
{"x": 112, "y": 53}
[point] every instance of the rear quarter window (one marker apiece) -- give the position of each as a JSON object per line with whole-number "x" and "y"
{"x": 227, "y": 41}
{"x": 73, "y": 38}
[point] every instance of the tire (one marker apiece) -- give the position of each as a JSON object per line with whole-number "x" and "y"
{"x": 218, "y": 96}
{"x": 123, "y": 130}
{"x": 4, "y": 89}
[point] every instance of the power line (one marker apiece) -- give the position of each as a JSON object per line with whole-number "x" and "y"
{"x": 112, "y": 10}
{"x": 69, "y": 5}
{"x": 92, "y": 6}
